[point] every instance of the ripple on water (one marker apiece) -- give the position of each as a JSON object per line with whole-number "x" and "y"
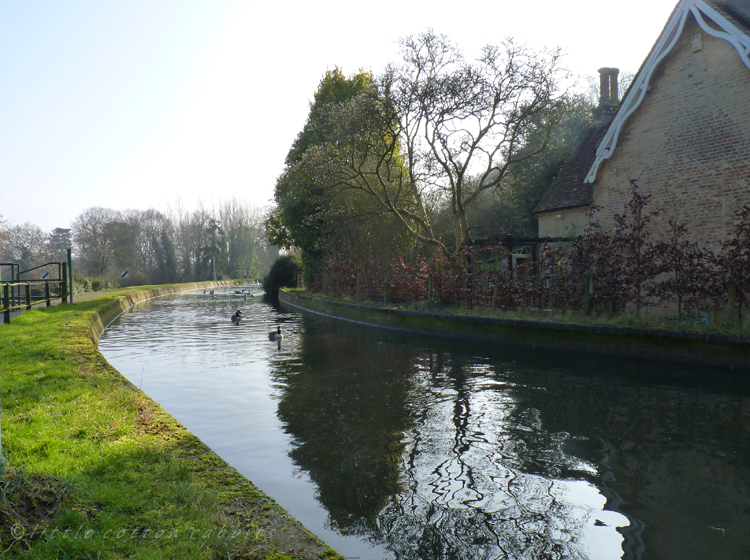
{"x": 430, "y": 449}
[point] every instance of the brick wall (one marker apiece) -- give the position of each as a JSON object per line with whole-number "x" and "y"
{"x": 688, "y": 143}
{"x": 568, "y": 222}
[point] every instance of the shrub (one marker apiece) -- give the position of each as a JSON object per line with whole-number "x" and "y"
{"x": 283, "y": 274}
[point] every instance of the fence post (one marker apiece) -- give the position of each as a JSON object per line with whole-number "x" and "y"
{"x": 6, "y": 303}
{"x": 494, "y": 296}
{"x": 70, "y": 275}
{"x": 385, "y": 289}
{"x": 46, "y": 294}
{"x": 28, "y": 296}
{"x": 356, "y": 291}
{"x": 64, "y": 290}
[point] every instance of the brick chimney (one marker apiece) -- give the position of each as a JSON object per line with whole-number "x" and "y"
{"x": 608, "y": 95}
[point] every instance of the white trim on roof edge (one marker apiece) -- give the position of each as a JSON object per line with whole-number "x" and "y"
{"x": 663, "y": 45}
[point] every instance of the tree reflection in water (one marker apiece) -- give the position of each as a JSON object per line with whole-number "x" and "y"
{"x": 346, "y": 407}
{"x": 441, "y": 455}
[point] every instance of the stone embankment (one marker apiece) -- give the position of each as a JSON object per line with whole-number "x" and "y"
{"x": 689, "y": 347}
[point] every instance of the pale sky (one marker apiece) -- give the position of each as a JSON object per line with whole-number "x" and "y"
{"x": 150, "y": 103}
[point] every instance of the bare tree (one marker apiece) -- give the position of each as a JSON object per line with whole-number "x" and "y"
{"x": 26, "y": 245}
{"x": 145, "y": 230}
{"x": 246, "y": 239}
{"x": 4, "y": 236}
{"x": 461, "y": 120}
{"x": 437, "y": 131}
{"x": 92, "y": 235}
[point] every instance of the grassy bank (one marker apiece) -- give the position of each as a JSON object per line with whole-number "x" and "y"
{"x": 96, "y": 469}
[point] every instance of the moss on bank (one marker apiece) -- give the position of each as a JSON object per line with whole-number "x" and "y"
{"x": 690, "y": 344}
{"x": 96, "y": 469}
{"x": 702, "y": 324}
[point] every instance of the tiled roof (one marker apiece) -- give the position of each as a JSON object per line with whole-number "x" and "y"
{"x": 568, "y": 190}
{"x": 737, "y": 12}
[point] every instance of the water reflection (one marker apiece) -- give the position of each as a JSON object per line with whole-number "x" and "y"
{"x": 431, "y": 449}
{"x": 441, "y": 455}
{"x": 343, "y": 400}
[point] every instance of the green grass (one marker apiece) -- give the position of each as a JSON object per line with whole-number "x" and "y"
{"x": 96, "y": 469}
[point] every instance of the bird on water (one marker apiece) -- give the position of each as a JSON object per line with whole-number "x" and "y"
{"x": 276, "y": 335}
{"x": 237, "y": 317}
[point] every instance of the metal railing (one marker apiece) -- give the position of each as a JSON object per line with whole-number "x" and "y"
{"x": 9, "y": 303}
{"x": 34, "y": 290}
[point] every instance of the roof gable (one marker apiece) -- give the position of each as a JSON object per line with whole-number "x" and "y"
{"x": 714, "y": 20}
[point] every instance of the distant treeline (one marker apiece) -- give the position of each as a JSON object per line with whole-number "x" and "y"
{"x": 154, "y": 247}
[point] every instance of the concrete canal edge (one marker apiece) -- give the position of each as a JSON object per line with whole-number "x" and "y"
{"x": 279, "y": 529}
{"x": 687, "y": 347}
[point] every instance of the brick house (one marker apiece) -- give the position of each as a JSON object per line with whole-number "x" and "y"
{"x": 682, "y": 130}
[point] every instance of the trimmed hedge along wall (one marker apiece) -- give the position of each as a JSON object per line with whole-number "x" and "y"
{"x": 710, "y": 349}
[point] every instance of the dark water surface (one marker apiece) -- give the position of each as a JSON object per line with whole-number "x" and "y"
{"x": 390, "y": 445}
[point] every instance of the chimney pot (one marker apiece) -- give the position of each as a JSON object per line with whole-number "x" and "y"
{"x": 608, "y": 94}
{"x": 613, "y": 89}
{"x": 604, "y": 101}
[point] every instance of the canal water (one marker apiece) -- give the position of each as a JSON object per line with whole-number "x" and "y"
{"x": 392, "y": 445}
